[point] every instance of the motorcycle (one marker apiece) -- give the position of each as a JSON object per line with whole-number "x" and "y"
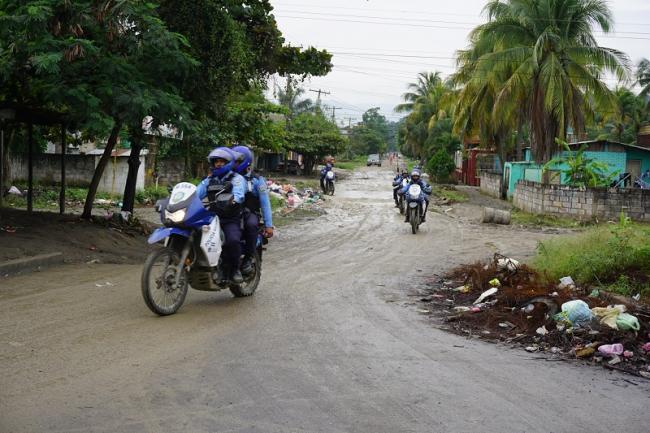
{"x": 414, "y": 202}
{"x": 329, "y": 183}
{"x": 191, "y": 254}
{"x": 401, "y": 202}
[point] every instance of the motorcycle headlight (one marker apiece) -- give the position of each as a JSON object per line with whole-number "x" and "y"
{"x": 414, "y": 195}
{"x": 176, "y": 217}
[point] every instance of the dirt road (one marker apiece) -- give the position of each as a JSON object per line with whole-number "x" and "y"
{"x": 330, "y": 343}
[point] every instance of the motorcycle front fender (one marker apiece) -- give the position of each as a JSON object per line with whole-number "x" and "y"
{"x": 164, "y": 232}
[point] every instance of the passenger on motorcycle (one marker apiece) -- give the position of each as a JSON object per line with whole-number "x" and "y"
{"x": 426, "y": 189}
{"x": 256, "y": 203}
{"x": 397, "y": 184}
{"x": 223, "y": 178}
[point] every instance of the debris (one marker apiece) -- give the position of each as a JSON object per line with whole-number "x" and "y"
{"x": 507, "y": 325}
{"x": 541, "y": 330}
{"x": 628, "y": 354}
{"x": 108, "y": 284}
{"x": 609, "y": 315}
{"x": 475, "y": 310}
{"x": 507, "y": 264}
{"x": 578, "y": 312}
{"x": 422, "y": 311}
{"x": 611, "y": 349}
{"x": 555, "y": 350}
{"x": 646, "y": 347}
{"x": 495, "y": 282}
{"x": 627, "y": 322}
{"x": 585, "y": 352}
{"x": 532, "y": 348}
{"x": 486, "y": 294}
{"x": 594, "y": 293}
{"x": 14, "y": 191}
{"x": 637, "y": 297}
{"x": 615, "y": 360}
{"x": 566, "y": 283}
{"x": 463, "y": 310}
{"x": 462, "y": 289}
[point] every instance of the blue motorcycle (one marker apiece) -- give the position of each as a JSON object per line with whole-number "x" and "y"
{"x": 414, "y": 206}
{"x": 191, "y": 253}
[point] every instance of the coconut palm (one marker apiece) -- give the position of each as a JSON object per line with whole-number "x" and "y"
{"x": 543, "y": 53}
{"x": 290, "y": 98}
{"x": 643, "y": 77}
{"x": 426, "y": 106}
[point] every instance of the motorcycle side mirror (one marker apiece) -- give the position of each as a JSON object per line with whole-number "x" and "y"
{"x": 169, "y": 189}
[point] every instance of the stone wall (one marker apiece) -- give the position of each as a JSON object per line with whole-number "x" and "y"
{"x": 491, "y": 184}
{"x": 600, "y": 203}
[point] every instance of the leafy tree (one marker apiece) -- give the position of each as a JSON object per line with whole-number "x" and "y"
{"x": 315, "y": 137}
{"x": 371, "y": 135}
{"x": 545, "y": 53}
{"x": 441, "y": 165}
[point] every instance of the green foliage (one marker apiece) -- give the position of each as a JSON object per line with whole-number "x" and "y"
{"x": 313, "y": 135}
{"x": 542, "y": 220}
{"x": 440, "y": 166}
{"x": 449, "y": 193}
{"x": 581, "y": 171}
{"x": 597, "y": 256}
{"x": 352, "y": 164}
{"x": 538, "y": 62}
{"x": 151, "y": 194}
{"x": 623, "y": 126}
{"x": 276, "y": 203}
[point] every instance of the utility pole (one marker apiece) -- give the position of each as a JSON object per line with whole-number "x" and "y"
{"x": 319, "y": 91}
{"x": 349, "y": 122}
{"x": 334, "y": 113}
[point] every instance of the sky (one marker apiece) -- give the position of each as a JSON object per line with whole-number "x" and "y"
{"x": 379, "y": 46}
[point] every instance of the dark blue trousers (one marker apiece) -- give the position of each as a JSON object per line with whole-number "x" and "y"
{"x": 251, "y": 227}
{"x": 231, "y": 251}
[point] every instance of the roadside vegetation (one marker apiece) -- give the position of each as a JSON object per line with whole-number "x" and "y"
{"x": 540, "y": 220}
{"x": 449, "y": 194}
{"x": 352, "y": 164}
{"x": 614, "y": 257}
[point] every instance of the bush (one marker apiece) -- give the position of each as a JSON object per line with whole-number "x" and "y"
{"x": 440, "y": 166}
{"x": 150, "y": 194}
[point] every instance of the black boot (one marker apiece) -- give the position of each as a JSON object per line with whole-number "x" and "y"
{"x": 247, "y": 265}
{"x": 221, "y": 276}
{"x": 237, "y": 277}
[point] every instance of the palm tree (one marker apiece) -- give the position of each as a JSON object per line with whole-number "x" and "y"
{"x": 426, "y": 106}
{"x": 543, "y": 54}
{"x": 290, "y": 98}
{"x": 643, "y": 77}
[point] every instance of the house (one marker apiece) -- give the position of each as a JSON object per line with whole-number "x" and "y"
{"x": 472, "y": 161}
{"x": 620, "y": 158}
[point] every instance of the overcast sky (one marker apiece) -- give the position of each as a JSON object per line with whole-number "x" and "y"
{"x": 379, "y": 46}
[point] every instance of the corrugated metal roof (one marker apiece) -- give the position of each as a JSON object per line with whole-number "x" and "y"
{"x": 117, "y": 152}
{"x": 633, "y": 146}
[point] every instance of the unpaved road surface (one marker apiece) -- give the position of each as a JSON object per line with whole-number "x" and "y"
{"x": 329, "y": 343}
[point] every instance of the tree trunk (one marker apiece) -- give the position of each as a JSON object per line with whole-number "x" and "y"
{"x": 520, "y": 137}
{"x": 151, "y": 161}
{"x": 128, "y": 201}
{"x": 501, "y": 152}
{"x": 99, "y": 170}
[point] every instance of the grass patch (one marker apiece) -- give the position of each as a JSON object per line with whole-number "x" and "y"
{"x": 352, "y": 164}
{"x": 449, "y": 193}
{"x": 614, "y": 257}
{"x": 541, "y": 220}
{"x": 276, "y": 203}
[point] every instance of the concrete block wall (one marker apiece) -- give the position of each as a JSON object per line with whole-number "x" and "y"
{"x": 491, "y": 184}
{"x": 584, "y": 204}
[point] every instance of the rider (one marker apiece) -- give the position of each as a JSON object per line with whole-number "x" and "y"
{"x": 328, "y": 167}
{"x": 222, "y": 177}
{"x": 426, "y": 190}
{"x": 256, "y": 202}
{"x": 397, "y": 184}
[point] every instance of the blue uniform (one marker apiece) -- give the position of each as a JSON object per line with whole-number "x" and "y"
{"x": 426, "y": 188}
{"x": 257, "y": 200}
{"x": 231, "y": 226}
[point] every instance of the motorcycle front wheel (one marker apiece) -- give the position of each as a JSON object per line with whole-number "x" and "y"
{"x": 159, "y": 289}
{"x": 415, "y": 219}
{"x": 251, "y": 281}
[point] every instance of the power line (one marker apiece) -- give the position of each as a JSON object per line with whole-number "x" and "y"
{"x": 423, "y": 12}
{"x": 355, "y": 21}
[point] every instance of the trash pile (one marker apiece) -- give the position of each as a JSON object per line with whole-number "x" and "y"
{"x": 506, "y": 301}
{"x": 294, "y": 197}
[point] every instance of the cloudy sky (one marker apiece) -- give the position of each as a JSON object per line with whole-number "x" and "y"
{"x": 380, "y": 45}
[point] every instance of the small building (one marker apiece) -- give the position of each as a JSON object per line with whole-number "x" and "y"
{"x": 620, "y": 158}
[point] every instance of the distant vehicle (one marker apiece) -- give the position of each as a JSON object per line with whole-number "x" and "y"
{"x": 373, "y": 160}
{"x": 293, "y": 167}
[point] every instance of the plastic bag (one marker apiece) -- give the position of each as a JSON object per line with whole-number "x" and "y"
{"x": 486, "y": 294}
{"x": 609, "y": 315}
{"x": 627, "y": 322}
{"x": 611, "y": 349}
{"x": 577, "y": 312}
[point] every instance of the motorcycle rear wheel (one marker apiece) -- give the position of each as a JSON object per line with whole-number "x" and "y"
{"x": 158, "y": 281}
{"x": 248, "y": 287}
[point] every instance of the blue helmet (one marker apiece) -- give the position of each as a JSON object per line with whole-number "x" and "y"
{"x": 246, "y": 160}
{"x": 221, "y": 153}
